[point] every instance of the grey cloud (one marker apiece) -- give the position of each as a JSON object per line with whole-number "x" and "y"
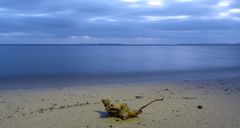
{"x": 64, "y": 18}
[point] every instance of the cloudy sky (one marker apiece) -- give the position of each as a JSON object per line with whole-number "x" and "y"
{"x": 119, "y": 21}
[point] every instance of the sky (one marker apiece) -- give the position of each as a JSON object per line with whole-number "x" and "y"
{"x": 119, "y": 21}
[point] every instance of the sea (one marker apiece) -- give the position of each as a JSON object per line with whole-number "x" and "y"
{"x": 116, "y": 63}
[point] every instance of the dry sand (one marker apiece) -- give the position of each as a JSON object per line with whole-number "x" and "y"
{"x": 187, "y": 104}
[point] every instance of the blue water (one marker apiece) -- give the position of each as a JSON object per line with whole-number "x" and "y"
{"x": 168, "y": 62}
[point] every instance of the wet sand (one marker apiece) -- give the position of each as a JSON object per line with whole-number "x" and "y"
{"x": 187, "y": 104}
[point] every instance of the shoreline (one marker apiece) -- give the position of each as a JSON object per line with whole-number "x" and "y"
{"x": 51, "y": 81}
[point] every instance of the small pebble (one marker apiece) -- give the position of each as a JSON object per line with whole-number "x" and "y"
{"x": 200, "y": 107}
{"x": 117, "y": 120}
{"x": 110, "y": 126}
{"x": 138, "y": 97}
{"x": 166, "y": 89}
{"x": 41, "y": 110}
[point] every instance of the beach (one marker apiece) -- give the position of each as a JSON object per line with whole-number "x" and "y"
{"x": 120, "y": 64}
{"x": 187, "y": 104}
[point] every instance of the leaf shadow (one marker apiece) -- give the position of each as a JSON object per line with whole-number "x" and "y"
{"x": 102, "y": 114}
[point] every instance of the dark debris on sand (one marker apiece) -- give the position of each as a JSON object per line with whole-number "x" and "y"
{"x": 200, "y": 107}
{"x": 138, "y": 97}
{"x": 42, "y": 110}
{"x": 190, "y": 98}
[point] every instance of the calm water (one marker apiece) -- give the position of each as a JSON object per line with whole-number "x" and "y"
{"x": 166, "y": 61}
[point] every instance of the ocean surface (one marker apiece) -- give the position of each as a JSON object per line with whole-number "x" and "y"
{"x": 89, "y": 63}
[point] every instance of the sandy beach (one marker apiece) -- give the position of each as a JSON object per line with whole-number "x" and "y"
{"x": 187, "y": 104}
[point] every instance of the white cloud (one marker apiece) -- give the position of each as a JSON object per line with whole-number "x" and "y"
{"x": 32, "y": 15}
{"x": 7, "y": 34}
{"x": 220, "y": 16}
{"x": 183, "y": 1}
{"x": 223, "y": 14}
{"x": 103, "y": 18}
{"x": 155, "y": 2}
{"x": 228, "y": 14}
{"x": 225, "y": 3}
{"x": 73, "y": 37}
{"x": 143, "y": 3}
{"x": 37, "y": 14}
{"x": 235, "y": 10}
{"x": 158, "y": 18}
{"x": 130, "y": 1}
{"x": 86, "y": 37}
{"x": 80, "y": 37}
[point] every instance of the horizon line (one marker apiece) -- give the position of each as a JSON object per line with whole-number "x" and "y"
{"x": 116, "y": 44}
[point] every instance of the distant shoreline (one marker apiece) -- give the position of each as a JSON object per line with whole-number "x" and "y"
{"x": 119, "y": 44}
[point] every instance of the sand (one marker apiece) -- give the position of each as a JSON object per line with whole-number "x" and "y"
{"x": 187, "y": 104}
